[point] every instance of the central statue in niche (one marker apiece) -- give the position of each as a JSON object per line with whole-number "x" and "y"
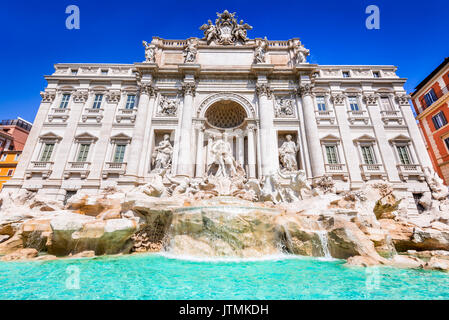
{"x": 223, "y": 163}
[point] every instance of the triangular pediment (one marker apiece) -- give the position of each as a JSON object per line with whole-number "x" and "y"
{"x": 121, "y": 136}
{"x": 365, "y": 137}
{"x": 86, "y": 136}
{"x": 330, "y": 137}
{"x": 400, "y": 137}
{"x": 50, "y": 136}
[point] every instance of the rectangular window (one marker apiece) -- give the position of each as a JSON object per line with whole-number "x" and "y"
{"x": 368, "y": 155}
{"x": 74, "y": 72}
{"x": 3, "y": 158}
{"x": 404, "y": 156}
{"x": 104, "y": 72}
{"x": 46, "y": 153}
{"x": 346, "y": 74}
{"x": 353, "y": 103}
{"x": 376, "y": 74}
{"x": 97, "y": 102}
{"x": 130, "y": 102}
{"x": 119, "y": 155}
{"x": 83, "y": 153}
{"x": 430, "y": 97}
{"x": 446, "y": 141}
{"x": 331, "y": 153}
{"x": 65, "y": 101}
{"x": 321, "y": 103}
{"x": 10, "y": 173}
{"x": 17, "y": 156}
{"x": 439, "y": 120}
{"x": 386, "y": 104}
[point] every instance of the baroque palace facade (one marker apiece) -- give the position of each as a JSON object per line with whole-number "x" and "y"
{"x": 105, "y": 125}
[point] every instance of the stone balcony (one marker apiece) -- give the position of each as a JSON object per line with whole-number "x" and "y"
{"x": 59, "y": 113}
{"x": 114, "y": 168}
{"x": 45, "y": 168}
{"x": 372, "y": 170}
{"x": 126, "y": 114}
{"x": 325, "y": 116}
{"x": 391, "y": 116}
{"x": 337, "y": 170}
{"x": 410, "y": 170}
{"x": 81, "y": 168}
{"x": 358, "y": 116}
{"x": 95, "y": 114}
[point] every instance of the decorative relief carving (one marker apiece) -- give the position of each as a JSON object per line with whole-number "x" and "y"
{"x": 168, "y": 106}
{"x": 330, "y": 73}
{"x": 113, "y": 97}
{"x": 191, "y": 51}
{"x": 361, "y": 73}
{"x": 305, "y": 89}
{"x": 48, "y": 96}
{"x": 338, "y": 99}
{"x": 370, "y": 99}
{"x": 402, "y": 99}
{"x": 227, "y": 96}
{"x": 150, "y": 52}
{"x": 189, "y": 88}
{"x": 263, "y": 89}
{"x": 148, "y": 89}
{"x": 283, "y": 108}
{"x": 80, "y": 96}
{"x": 226, "y": 30}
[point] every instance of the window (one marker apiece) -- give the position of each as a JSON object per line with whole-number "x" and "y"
{"x": 2, "y": 142}
{"x": 83, "y": 152}
{"x": 430, "y": 97}
{"x": 353, "y": 103}
{"x": 346, "y": 74}
{"x": 130, "y": 102}
{"x": 446, "y": 141}
{"x": 65, "y": 101}
{"x": 104, "y": 72}
{"x": 332, "y": 155}
{"x": 17, "y": 156}
{"x": 376, "y": 74}
{"x": 10, "y": 173}
{"x": 403, "y": 153}
{"x": 97, "y": 102}
{"x": 46, "y": 153}
{"x": 386, "y": 104}
{"x": 119, "y": 155}
{"x": 3, "y": 158}
{"x": 321, "y": 103}
{"x": 439, "y": 120}
{"x": 74, "y": 72}
{"x": 368, "y": 155}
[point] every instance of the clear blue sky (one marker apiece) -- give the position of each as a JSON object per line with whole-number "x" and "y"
{"x": 413, "y": 35}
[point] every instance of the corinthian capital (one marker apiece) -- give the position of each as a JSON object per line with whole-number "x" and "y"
{"x": 402, "y": 99}
{"x": 370, "y": 99}
{"x": 263, "y": 89}
{"x": 338, "y": 98}
{"x": 80, "y": 96}
{"x": 113, "y": 97}
{"x": 48, "y": 96}
{"x": 148, "y": 89}
{"x": 189, "y": 88}
{"x": 305, "y": 89}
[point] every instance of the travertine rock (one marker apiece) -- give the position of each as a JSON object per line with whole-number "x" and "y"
{"x": 20, "y": 254}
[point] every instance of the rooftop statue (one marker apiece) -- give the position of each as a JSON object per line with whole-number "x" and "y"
{"x": 226, "y": 30}
{"x": 150, "y": 52}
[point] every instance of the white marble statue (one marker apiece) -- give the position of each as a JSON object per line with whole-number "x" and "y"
{"x": 240, "y": 31}
{"x": 300, "y": 54}
{"x": 162, "y": 155}
{"x": 221, "y": 153}
{"x": 260, "y": 51}
{"x": 436, "y": 184}
{"x": 150, "y": 52}
{"x": 190, "y": 51}
{"x": 287, "y": 154}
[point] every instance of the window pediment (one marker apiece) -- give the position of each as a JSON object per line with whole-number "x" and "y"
{"x": 50, "y": 136}
{"x": 85, "y": 137}
{"x": 121, "y": 137}
{"x": 400, "y": 138}
{"x": 330, "y": 138}
{"x": 365, "y": 138}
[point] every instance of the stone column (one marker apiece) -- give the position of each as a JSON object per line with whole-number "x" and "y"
{"x": 199, "y": 152}
{"x": 185, "y": 165}
{"x": 251, "y": 152}
{"x": 33, "y": 138}
{"x": 147, "y": 151}
{"x": 268, "y": 147}
{"x": 415, "y": 135}
{"x": 136, "y": 147}
{"x": 241, "y": 149}
{"x": 313, "y": 139}
{"x": 386, "y": 156}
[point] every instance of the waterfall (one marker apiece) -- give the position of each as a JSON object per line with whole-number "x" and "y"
{"x": 288, "y": 238}
{"x": 322, "y": 234}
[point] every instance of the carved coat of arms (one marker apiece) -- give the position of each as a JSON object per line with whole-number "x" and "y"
{"x": 226, "y": 30}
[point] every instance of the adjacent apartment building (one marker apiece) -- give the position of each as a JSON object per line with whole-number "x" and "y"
{"x": 13, "y": 136}
{"x": 431, "y": 102}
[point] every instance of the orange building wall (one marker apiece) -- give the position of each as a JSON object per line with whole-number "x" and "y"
{"x": 9, "y": 164}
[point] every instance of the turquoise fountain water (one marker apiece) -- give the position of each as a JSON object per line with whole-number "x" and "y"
{"x": 155, "y": 276}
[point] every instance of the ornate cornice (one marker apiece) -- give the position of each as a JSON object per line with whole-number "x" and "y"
{"x": 80, "y": 96}
{"x": 48, "y": 96}
{"x": 263, "y": 89}
{"x": 189, "y": 88}
{"x": 305, "y": 90}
